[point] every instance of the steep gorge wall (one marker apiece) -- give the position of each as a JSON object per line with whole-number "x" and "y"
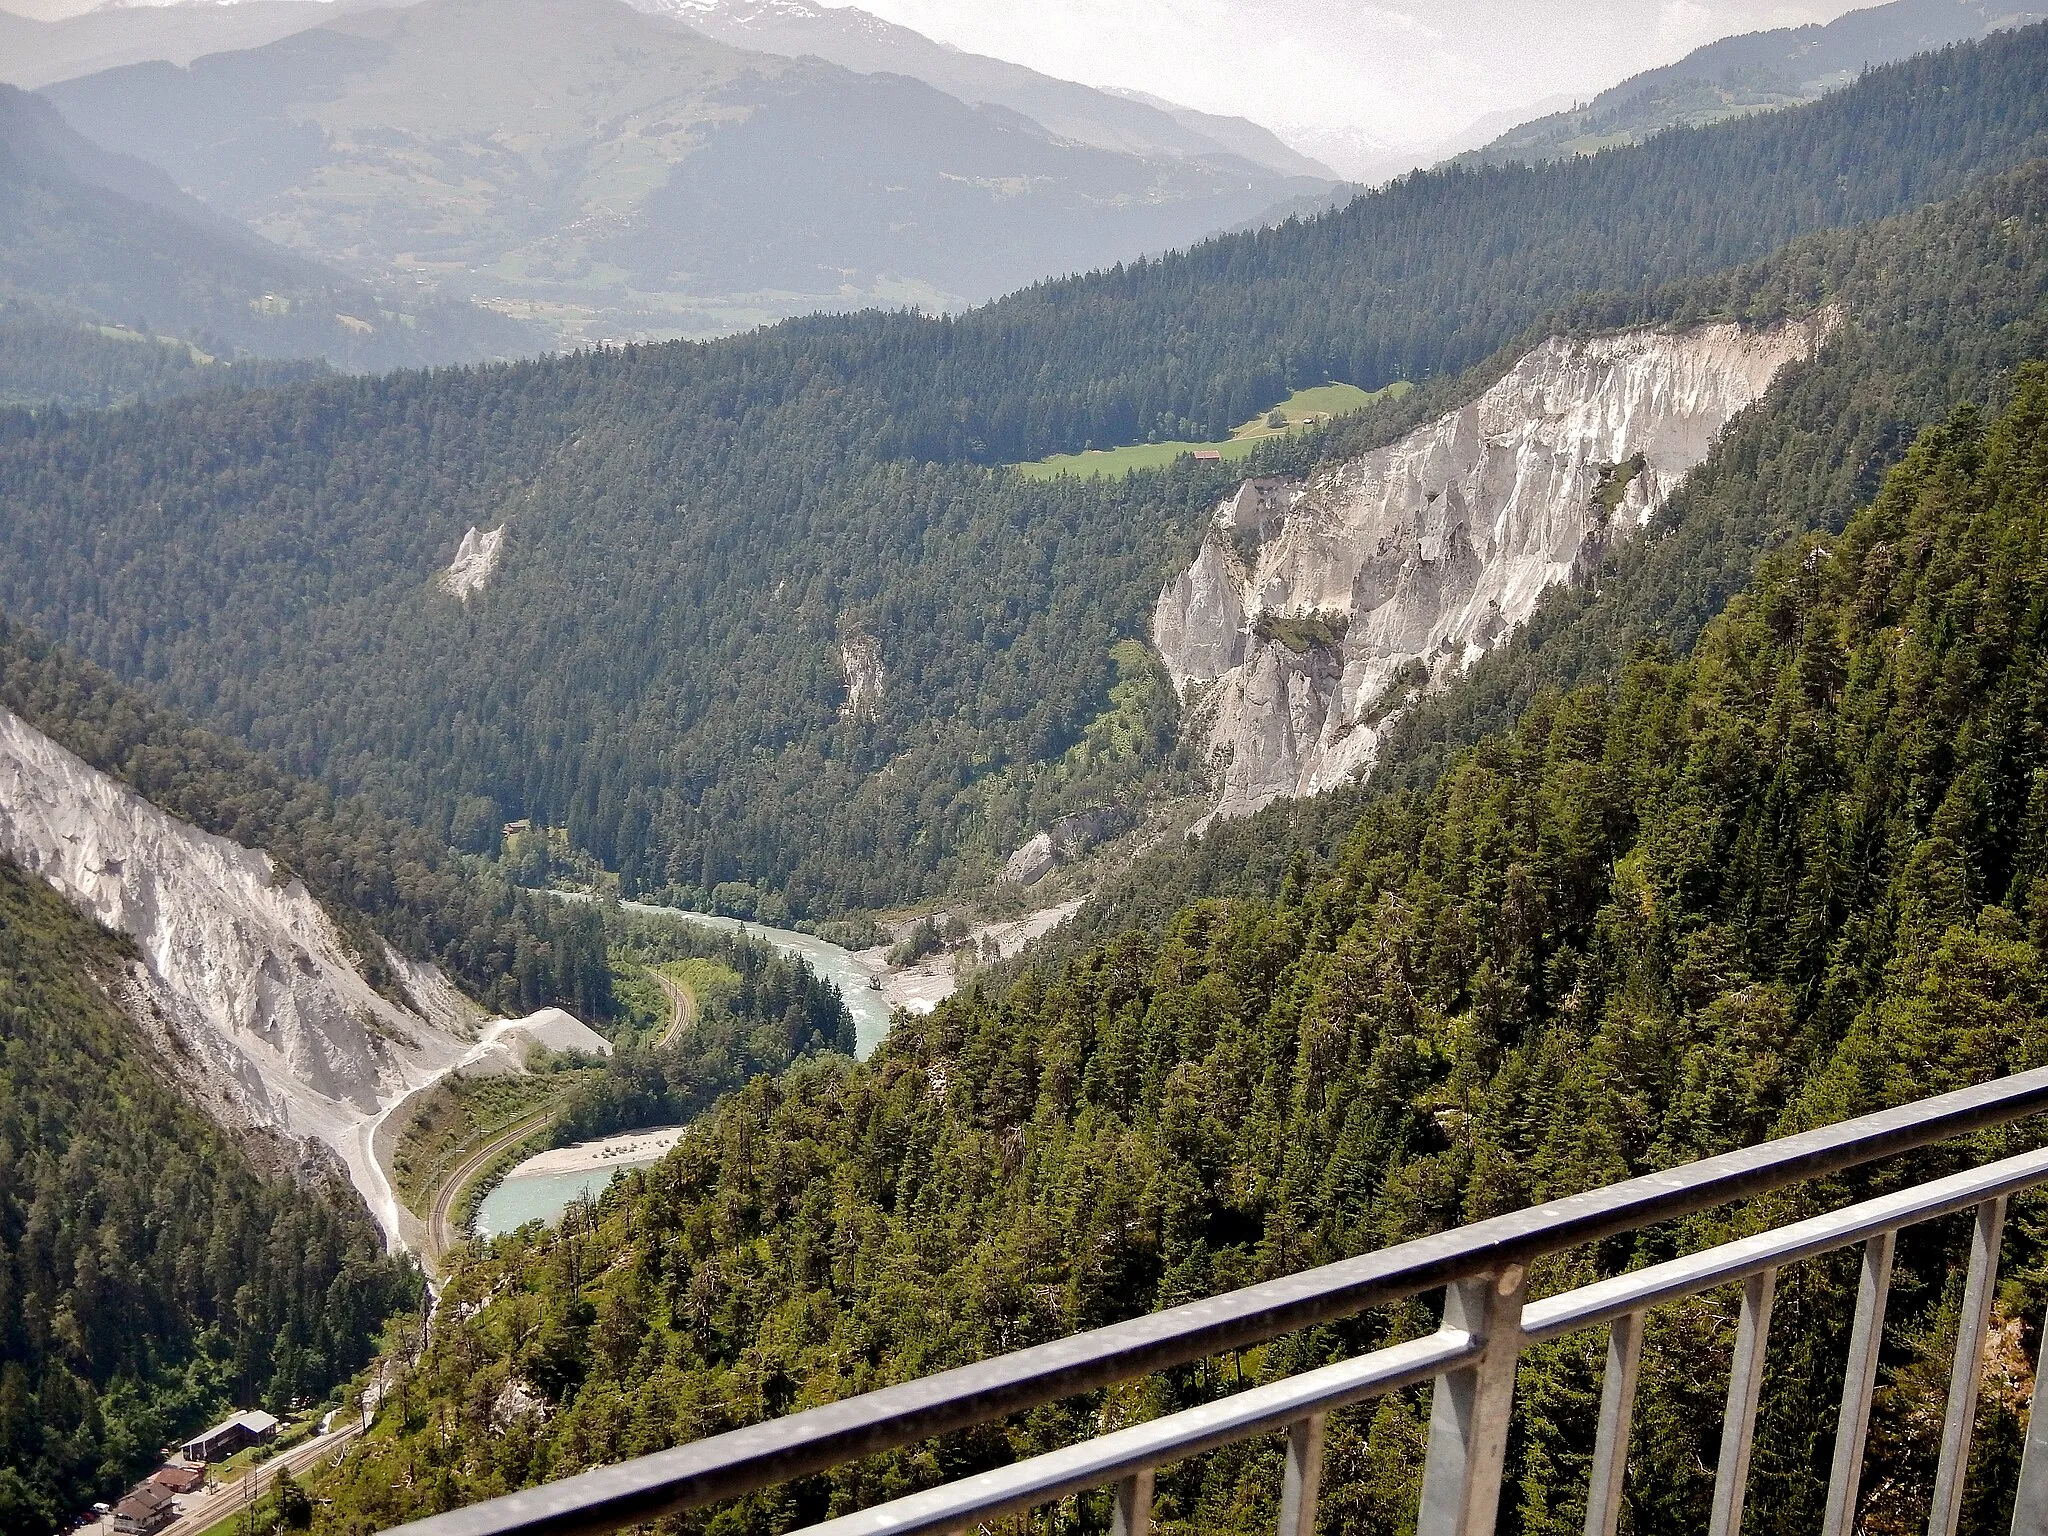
{"x": 1314, "y": 609}
{"x": 243, "y": 980}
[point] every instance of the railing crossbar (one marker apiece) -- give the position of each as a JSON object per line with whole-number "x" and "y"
{"x": 1473, "y": 1365}
{"x": 1605, "y": 1300}
{"x": 1623, "y": 1300}
{"x": 1110, "y": 1458}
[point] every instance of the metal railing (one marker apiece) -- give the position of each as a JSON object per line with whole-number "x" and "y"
{"x": 1472, "y": 1359}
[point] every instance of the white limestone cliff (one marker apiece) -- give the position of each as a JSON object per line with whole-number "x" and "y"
{"x": 243, "y": 981}
{"x": 476, "y": 557}
{"x": 860, "y": 658}
{"x": 1313, "y": 610}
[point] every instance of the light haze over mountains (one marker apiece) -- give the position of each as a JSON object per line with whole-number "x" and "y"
{"x": 599, "y": 170}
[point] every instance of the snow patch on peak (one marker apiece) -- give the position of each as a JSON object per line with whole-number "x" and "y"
{"x": 476, "y": 557}
{"x": 1314, "y": 609}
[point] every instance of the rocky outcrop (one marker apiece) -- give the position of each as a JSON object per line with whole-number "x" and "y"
{"x": 1315, "y": 609}
{"x": 860, "y": 657}
{"x": 476, "y": 557}
{"x": 251, "y": 992}
{"x": 1032, "y": 862}
{"x": 1069, "y": 837}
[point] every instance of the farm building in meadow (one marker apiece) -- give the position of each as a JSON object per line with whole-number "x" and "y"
{"x": 231, "y": 1435}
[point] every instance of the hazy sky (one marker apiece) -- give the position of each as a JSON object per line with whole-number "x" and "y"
{"x": 1398, "y": 71}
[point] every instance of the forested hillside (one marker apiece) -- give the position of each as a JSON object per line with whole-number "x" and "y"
{"x": 151, "y": 1274}
{"x": 698, "y": 538}
{"x": 1795, "y": 875}
{"x": 715, "y": 747}
{"x": 77, "y": 366}
{"x": 1425, "y": 277}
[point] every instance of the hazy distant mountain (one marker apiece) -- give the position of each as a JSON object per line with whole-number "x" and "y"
{"x": 1126, "y": 121}
{"x": 89, "y": 236}
{"x": 1757, "y": 71}
{"x": 35, "y": 53}
{"x": 615, "y": 173}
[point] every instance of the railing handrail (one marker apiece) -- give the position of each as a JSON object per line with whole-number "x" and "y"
{"x": 778, "y": 1450}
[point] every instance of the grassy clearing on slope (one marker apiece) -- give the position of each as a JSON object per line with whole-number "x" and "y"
{"x": 1303, "y": 408}
{"x": 712, "y": 984}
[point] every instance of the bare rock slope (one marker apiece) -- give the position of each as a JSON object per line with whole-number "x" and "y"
{"x": 1314, "y": 610}
{"x": 247, "y": 985}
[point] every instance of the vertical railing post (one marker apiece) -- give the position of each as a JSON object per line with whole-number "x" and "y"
{"x": 1470, "y": 1407}
{"x": 1133, "y": 1505}
{"x": 1738, "y": 1422}
{"x": 1858, "y": 1382}
{"x": 1304, "y": 1479}
{"x": 1617, "y": 1410}
{"x": 1966, "y": 1373}
{"x": 2030, "y": 1503}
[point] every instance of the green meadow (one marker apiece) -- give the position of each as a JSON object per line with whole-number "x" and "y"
{"x": 1303, "y": 408}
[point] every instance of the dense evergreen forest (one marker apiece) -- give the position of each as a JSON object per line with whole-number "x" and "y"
{"x": 511, "y": 950}
{"x": 151, "y": 1275}
{"x": 1797, "y": 874}
{"x": 699, "y": 535}
{"x": 55, "y": 362}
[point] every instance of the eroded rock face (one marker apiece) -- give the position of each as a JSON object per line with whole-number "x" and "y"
{"x": 476, "y": 557}
{"x": 860, "y": 657}
{"x": 1315, "y": 609}
{"x": 243, "y": 979}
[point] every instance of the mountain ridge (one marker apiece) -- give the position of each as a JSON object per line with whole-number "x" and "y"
{"x": 616, "y": 173}
{"x": 860, "y": 41}
{"x": 1755, "y": 71}
{"x": 102, "y": 237}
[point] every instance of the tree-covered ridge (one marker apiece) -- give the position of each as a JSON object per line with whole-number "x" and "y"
{"x": 512, "y": 950}
{"x": 150, "y": 1275}
{"x": 658, "y": 662}
{"x": 1797, "y": 875}
{"x": 697, "y": 537}
{"x": 1431, "y": 274}
{"x": 47, "y": 361}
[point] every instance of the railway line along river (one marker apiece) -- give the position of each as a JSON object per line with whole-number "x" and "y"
{"x": 543, "y": 1186}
